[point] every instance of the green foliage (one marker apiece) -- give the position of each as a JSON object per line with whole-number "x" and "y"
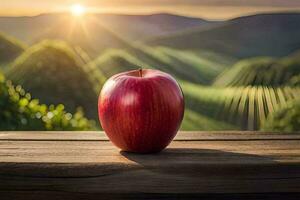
{"x": 20, "y": 112}
{"x": 285, "y": 119}
{"x": 262, "y": 72}
{"x": 53, "y": 72}
{"x": 10, "y": 48}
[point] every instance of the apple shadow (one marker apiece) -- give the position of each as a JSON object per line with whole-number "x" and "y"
{"x": 196, "y": 162}
{"x": 209, "y": 170}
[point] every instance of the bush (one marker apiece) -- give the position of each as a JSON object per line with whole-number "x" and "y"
{"x": 18, "y": 111}
{"x": 286, "y": 119}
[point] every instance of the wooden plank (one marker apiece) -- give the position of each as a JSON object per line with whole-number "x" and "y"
{"x": 61, "y": 195}
{"x": 105, "y": 152}
{"x": 185, "y": 167}
{"x": 181, "y": 136}
{"x": 81, "y": 166}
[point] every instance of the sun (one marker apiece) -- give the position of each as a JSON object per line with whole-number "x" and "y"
{"x": 77, "y": 10}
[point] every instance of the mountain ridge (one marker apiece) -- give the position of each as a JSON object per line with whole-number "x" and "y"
{"x": 272, "y": 34}
{"x": 159, "y": 23}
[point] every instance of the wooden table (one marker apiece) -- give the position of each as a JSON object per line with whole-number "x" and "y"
{"x": 85, "y": 165}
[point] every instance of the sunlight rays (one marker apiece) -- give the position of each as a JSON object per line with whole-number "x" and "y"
{"x": 77, "y": 10}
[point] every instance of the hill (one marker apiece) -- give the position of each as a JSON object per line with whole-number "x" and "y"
{"x": 95, "y": 32}
{"x": 87, "y": 33}
{"x": 116, "y": 61}
{"x": 262, "y": 72}
{"x": 10, "y": 48}
{"x": 52, "y": 72}
{"x": 139, "y": 27}
{"x": 90, "y": 34}
{"x": 198, "y": 67}
{"x": 273, "y": 35}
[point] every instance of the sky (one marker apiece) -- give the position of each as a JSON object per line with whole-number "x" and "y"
{"x": 210, "y": 9}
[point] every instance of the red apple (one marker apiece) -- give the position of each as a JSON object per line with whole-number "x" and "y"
{"x": 141, "y": 110}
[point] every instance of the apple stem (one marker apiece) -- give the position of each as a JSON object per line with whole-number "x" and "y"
{"x": 141, "y": 72}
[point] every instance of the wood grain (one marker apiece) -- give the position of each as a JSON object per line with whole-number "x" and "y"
{"x": 47, "y": 165}
{"x": 181, "y": 136}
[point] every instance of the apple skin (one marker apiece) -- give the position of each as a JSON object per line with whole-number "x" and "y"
{"x": 141, "y": 110}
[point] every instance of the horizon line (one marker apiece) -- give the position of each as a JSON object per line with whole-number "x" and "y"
{"x": 154, "y": 13}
